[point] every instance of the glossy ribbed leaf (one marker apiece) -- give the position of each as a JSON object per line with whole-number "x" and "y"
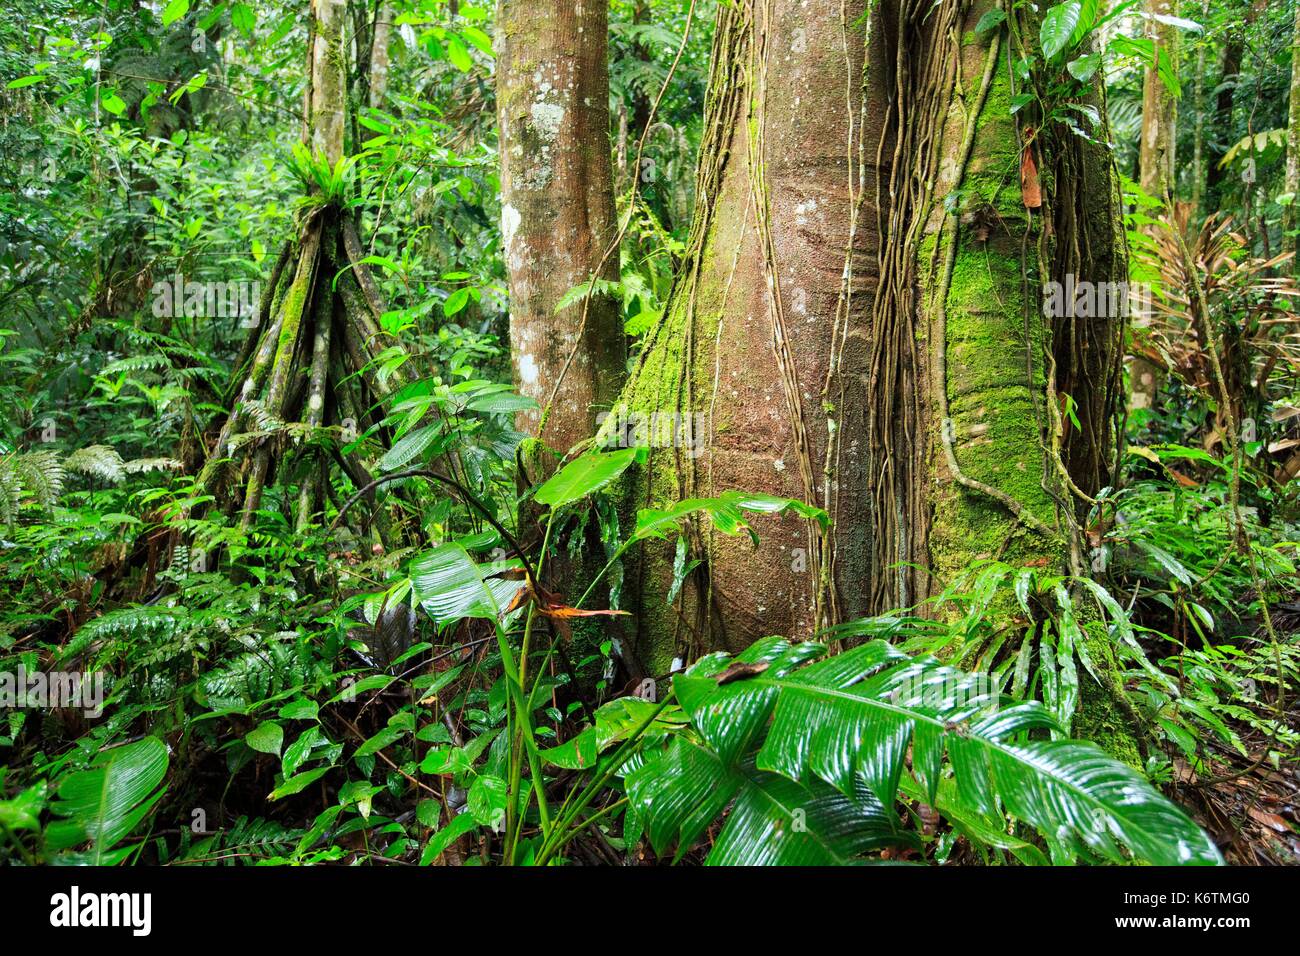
{"x": 849, "y": 720}
{"x": 728, "y": 715}
{"x": 451, "y": 586}
{"x": 773, "y": 821}
{"x": 107, "y": 801}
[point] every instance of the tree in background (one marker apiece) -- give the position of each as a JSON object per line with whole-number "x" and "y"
{"x": 1156, "y": 152}
{"x": 316, "y": 357}
{"x": 557, "y": 215}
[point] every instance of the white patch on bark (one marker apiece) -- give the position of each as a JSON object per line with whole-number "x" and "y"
{"x": 510, "y": 220}
{"x": 547, "y": 118}
{"x": 527, "y": 369}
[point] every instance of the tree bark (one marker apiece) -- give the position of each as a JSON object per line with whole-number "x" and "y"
{"x": 557, "y": 213}
{"x": 328, "y": 99}
{"x": 1156, "y": 170}
{"x": 379, "y": 55}
{"x": 1292, "y": 186}
{"x": 757, "y": 368}
{"x": 1198, "y": 126}
{"x": 1159, "y": 109}
{"x": 859, "y": 323}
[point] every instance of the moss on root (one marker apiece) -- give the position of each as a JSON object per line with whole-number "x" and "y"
{"x": 994, "y": 343}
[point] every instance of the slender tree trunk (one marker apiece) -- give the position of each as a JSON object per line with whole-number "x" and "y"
{"x": 1289, "y": 219}
{"x": 1156, "y": 171}
{"x": 557, "y": 213}
{"x": 379, "y": 55}
{"x": 1198, "y": 124}
{"x": 1159, "y": 109}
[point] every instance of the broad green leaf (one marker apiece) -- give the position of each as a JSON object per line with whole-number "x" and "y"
{"x": 298, "y": 783}
{"x": 1083, "y": 69}
{"x": 726, "y": 512}
{"x": 23, "y": 811}
{"x": 301, "y": 709}
{"x": 107, "y": 801}
{"x": 480, "y": 39}
{"x": 989, "y": 21}
{"x": 487, "y": 800}
{"x": 409, "y": 447}
{"x": 450, "y": 586}
{"x": 386, "y": 737}
{"x": 1058, "y": 27}
{"x": 267, "y": 737}
{"x": 456, "y": 301}
{"x": 849, "y": 720}
{"x": 460, "y": 825}
{"x": 174, "y": 10}
{"x": 458, "y": 55}
{"x": 243, "y": 18}
{"x": 773, "y": 820}
{"x": 586, "y": 474}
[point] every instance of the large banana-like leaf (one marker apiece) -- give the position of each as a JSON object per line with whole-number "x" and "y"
{"x": 450, "y": 585}
{"x": 773, "y": 821}
{"x": 104, "y": 803}
{"x": 849, "y": 720}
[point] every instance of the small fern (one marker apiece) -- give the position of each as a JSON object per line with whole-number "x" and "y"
{"x": 99, "y": 461}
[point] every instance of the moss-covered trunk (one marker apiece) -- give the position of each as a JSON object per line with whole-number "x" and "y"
{"x": 557, "y": 213}
{"x": 860, "y": 323}
{"x": 1019, "y": 387}
{"x": 309, "y": 373}
{"x": 756, "y": 370}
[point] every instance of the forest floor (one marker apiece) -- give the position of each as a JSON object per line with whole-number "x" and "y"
{"x": 1250, "y": 809}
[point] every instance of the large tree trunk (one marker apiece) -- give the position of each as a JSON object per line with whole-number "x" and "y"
{"x": 859, "y": 323}
{"x": 557, "y": 213}
{"x": 761, "y": 356}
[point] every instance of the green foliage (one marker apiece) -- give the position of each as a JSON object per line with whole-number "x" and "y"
{"x": 846, "y": 720}
{"x": 106, "y": 802}
{"x": 399, "y": 681}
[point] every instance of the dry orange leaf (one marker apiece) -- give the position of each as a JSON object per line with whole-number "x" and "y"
{"x": 1030, "y": 188}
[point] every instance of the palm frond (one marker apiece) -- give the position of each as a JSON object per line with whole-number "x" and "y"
{"x": 853, "y": 720}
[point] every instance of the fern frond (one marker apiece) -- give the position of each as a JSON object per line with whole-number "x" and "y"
{"x": 137, "y": 465}
{"x": 100, "y": 461}
{"x": 40, "y": 475}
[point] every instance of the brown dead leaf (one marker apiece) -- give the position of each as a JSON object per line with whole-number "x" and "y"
{"x": 1271, "y": 820}
{"x": 1031, "y": 189}
{"x": 741, "y": 669}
